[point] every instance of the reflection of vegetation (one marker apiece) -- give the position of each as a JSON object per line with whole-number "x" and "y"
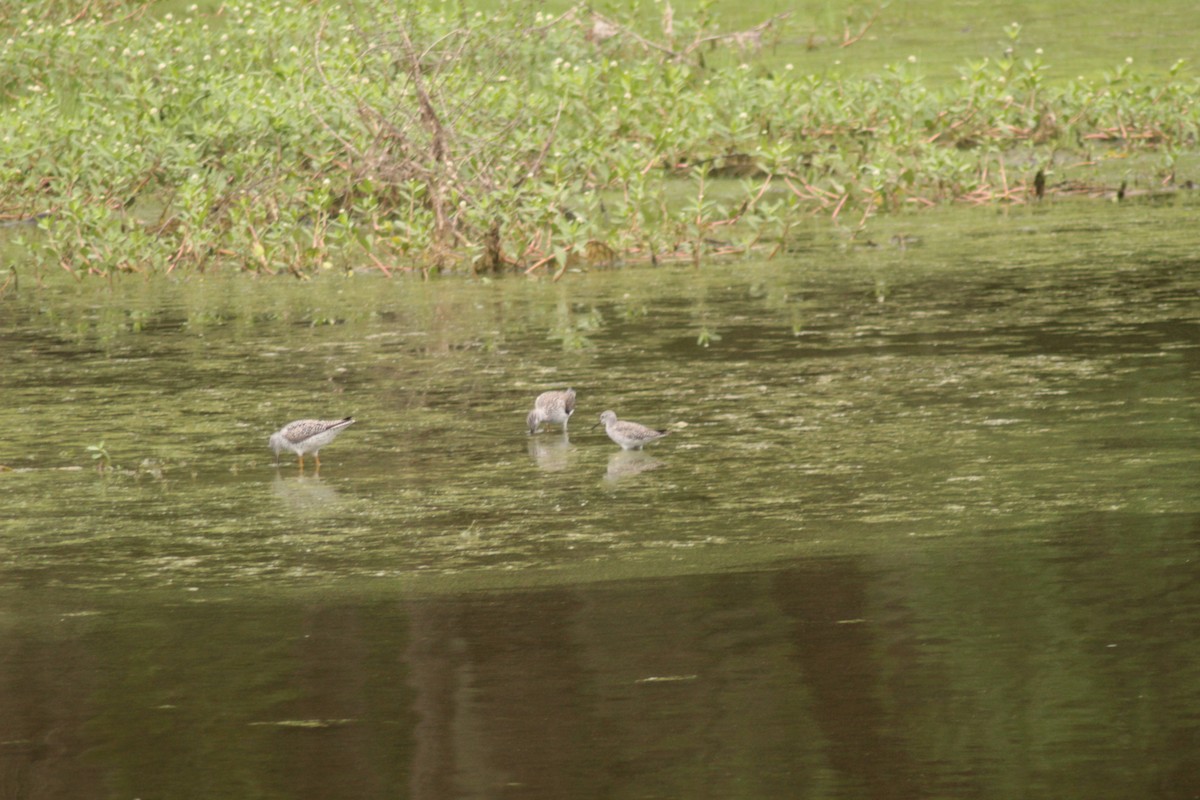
{"x": 10, "y": 280}
{"x": 347, "y": 135}
{"x": 812, "y": 678}
{"x": 573, "y": 328}
{"x": 199, "y": 320}
{"x": 632, "y": 311}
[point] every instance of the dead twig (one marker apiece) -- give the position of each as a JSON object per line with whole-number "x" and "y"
{"x": 382, "y": 267}
{"x": 539, "y": 264}
{"x": 848, "y": 40}
{"x": 637, "y": 37}
{"x": 838, "y": 210}
{"x": 749, "y": 38}
{"x": 541, "y": 156}
{"x": 11, "y": 279}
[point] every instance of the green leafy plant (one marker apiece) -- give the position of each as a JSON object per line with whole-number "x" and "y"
{"x": 404, "y": 138}
{"x": 100, "y": 457}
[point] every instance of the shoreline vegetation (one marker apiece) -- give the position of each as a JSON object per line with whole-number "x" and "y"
{"x": 431, "y": 137}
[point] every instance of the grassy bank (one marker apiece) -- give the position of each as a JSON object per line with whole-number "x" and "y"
{"x": 283, "y": 137}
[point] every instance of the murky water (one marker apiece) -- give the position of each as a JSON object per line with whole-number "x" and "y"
{"x": 927, "y": 525}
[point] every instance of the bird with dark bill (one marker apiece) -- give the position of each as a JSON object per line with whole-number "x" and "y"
{"x": 306, "y": 436}
{"x": 630, "y": 435}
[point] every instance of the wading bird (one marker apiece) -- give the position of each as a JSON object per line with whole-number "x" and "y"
{"x": 307, "y": 436}
{"x": 553, "y": 407}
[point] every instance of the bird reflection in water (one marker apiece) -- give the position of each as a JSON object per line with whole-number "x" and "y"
{"x": 551, "y": 453}
{"x": 627, "y": 463}
{"x": 306, "y": 494}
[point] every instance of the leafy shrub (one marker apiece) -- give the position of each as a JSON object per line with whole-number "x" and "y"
{"x": 420, "y": 137}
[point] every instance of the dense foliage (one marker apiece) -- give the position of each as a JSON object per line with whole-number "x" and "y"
{"x": 422, "y": 136}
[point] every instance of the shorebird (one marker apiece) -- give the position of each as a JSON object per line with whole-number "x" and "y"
{"x": 307, "y": 436}
{"x": 630, "y": 435}
{"x": 554, "y": 407}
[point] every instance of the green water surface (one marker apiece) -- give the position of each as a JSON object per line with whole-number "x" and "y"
{"x": 926, "y": 525}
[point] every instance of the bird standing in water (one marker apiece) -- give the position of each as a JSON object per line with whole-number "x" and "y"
{"x": 552, "y": 407}
{"x": 307, "y": 436}
{"x": 630, "y": 435}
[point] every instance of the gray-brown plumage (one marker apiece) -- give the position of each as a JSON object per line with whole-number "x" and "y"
{"x": 307, "y": 436}
{"x": 552, "y": 407}
{"x": 630, "y": 435}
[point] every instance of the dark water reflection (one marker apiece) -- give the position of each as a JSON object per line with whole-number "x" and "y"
{"x": 1066, "y": 667}
{"x": 926, "y": 526}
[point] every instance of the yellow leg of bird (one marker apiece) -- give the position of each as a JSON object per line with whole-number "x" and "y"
{"x": 317, "y": 456}
{"x": 301, "y": 461}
